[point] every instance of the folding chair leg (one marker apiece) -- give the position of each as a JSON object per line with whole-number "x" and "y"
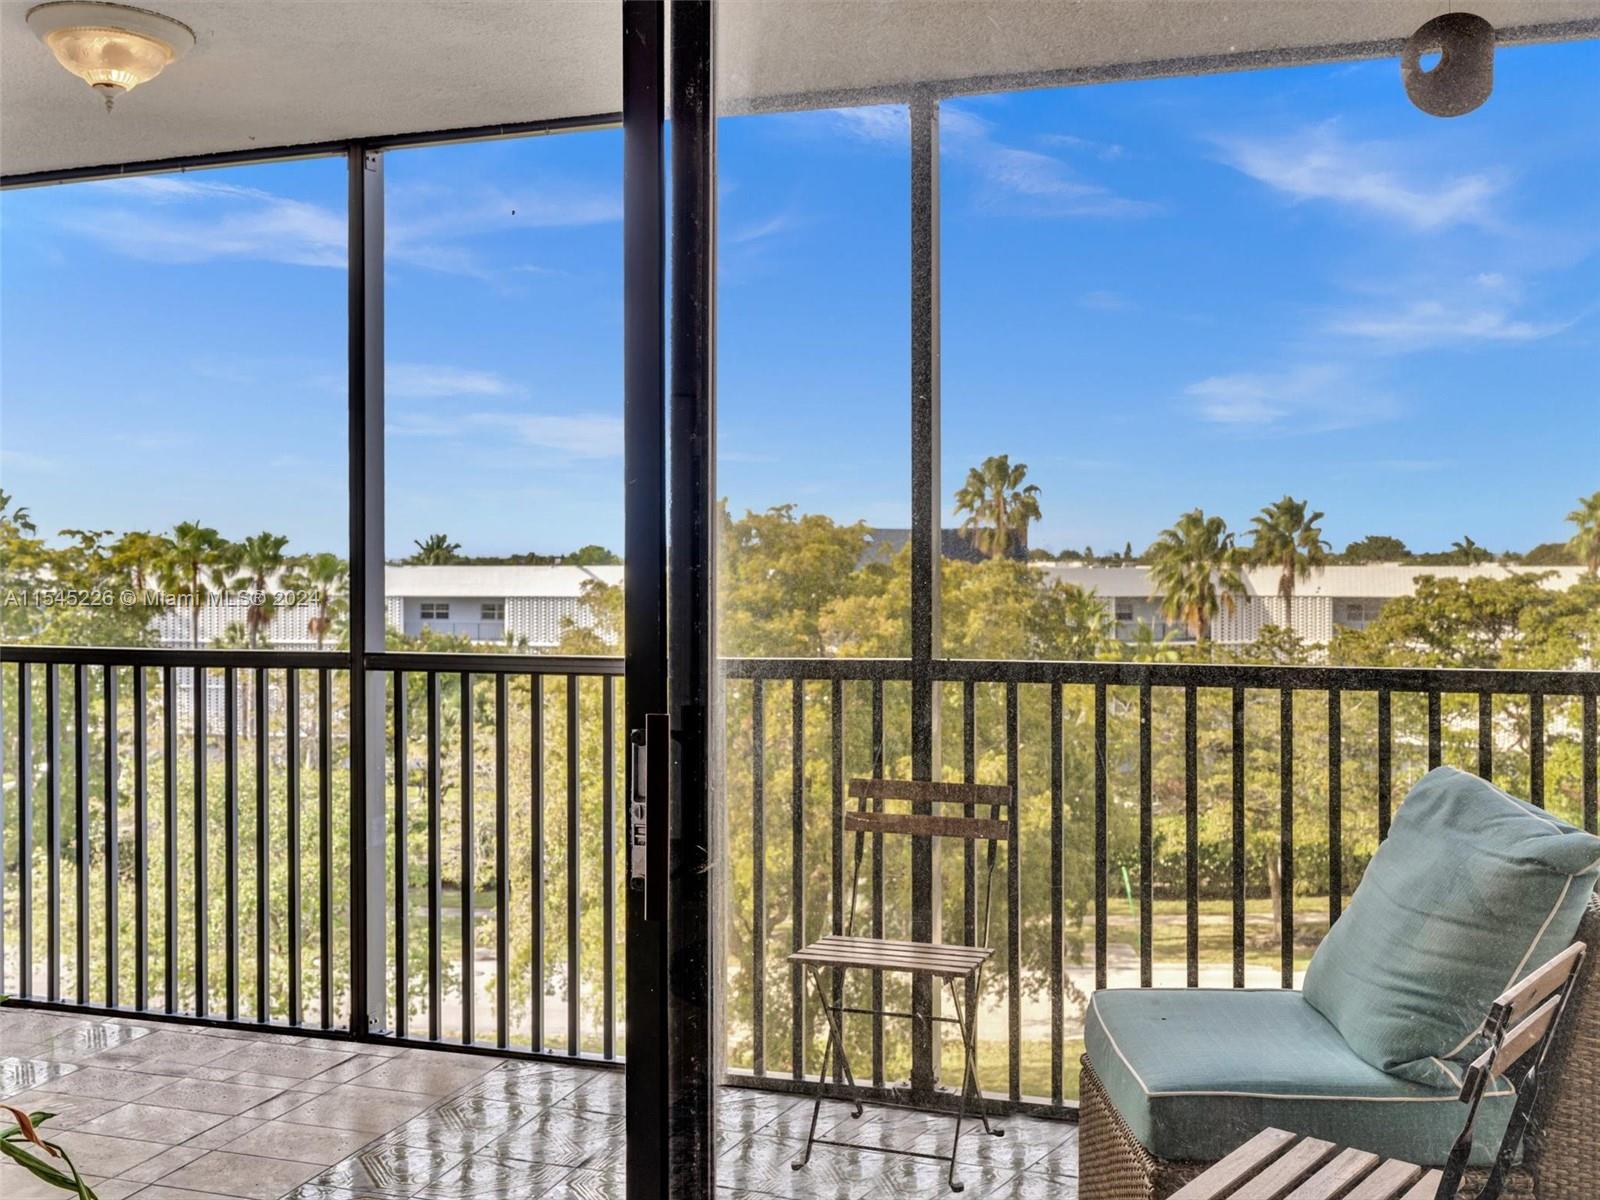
{"x": 961, "y": 1106}
{"x": 968, "y": 1024}
{"x": 833, "y": 1047}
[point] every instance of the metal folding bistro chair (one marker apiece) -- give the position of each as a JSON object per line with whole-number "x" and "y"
{"x": 1520, "y": 1028}
{"x": 956, "y": 965}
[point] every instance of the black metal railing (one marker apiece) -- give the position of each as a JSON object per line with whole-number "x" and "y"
{"x": 1102, "y": 753}
{"x": 177, "y": 832}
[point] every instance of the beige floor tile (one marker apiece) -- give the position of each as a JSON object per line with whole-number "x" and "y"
{"x": 413, "y": 1074}
{"x": 244, "y": 1175}
{"x": 355, "y": 1106}
{"x": 170, "y": 1046}
{"x": 101, "y": 1154}
{"x": 153, "y": 1123}
{"x": 106, "y": 1084}
{"x": 301, "y": 1143}
{"x": 163, "y": 1164}
{"x": 284, "y": 1059}
{"x": 229, "y": 1099}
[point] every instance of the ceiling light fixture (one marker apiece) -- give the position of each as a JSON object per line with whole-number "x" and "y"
{"x": 111, "y": 47}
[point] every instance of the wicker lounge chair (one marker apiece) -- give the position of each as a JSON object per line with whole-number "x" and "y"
{"x": 1561, "y": 1154}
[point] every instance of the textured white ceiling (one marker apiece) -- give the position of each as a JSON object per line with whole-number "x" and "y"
{"x": 268, "y": 73}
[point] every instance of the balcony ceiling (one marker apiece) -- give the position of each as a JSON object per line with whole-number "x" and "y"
{"x": 269, "y": 73}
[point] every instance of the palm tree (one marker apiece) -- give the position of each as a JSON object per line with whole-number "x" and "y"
{"x": 999, "y": 507}
{"x": 1469, "y": 552}
{"x": 137, "y": 555}
{"x": 328, "y": 576}
{"x": 1194, "y": 571}
{"x": 261, "y": 558}
{"x": 1287, "y": 537}
{"x": 437, "y": 551}
{"x": 194, "y": 561}
{"x": 1586, "y": 542}
{"x": 1144, "y": 646}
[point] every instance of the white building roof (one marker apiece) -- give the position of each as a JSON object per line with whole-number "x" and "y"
{"x": 1374, "y": 581}
{"x": 495, "y": 582}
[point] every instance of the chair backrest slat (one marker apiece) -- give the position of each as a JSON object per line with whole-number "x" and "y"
{"x": 1518, "y": 1001}
{"x": 969, "y": 795}
{"x": 1522, "y": 1038}
{"x": 967, "y": 828}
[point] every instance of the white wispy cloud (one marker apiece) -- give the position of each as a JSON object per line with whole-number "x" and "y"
{"x": 430, "y": 381}
{"x": 166, "y": 219}
{"x": 575, "y": 435}
{"x": 1423, "y": 324}
{"x": 760, "y": 231}
{"x": 1015, "y": 178}
{"x": 1304, "y": 399}
{"x": 1105, "y": 301}
{"x": 189, "y": 220}
{"x": 1320, "y": 164}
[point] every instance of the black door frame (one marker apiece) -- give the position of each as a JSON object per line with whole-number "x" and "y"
{"x": 669, "y": 647}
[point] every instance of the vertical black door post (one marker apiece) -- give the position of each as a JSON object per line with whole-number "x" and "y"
{"x": 645, "y": 552}
{"x": 691, "y": 648}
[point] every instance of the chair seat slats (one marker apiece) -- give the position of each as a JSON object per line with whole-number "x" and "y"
{"x": 1244, "y": 1163}
{"x": 1287, "y": 1171}
{"x": 1426, "y": 1188}
{"x": 1388, "y": 1182}
{"x": 1335, "y": 1178}
{"x": 930, "y": 958}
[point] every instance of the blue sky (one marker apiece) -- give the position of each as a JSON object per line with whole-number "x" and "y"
{"x": 1200, "y": 291}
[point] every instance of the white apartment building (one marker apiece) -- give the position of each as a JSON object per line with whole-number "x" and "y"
{"x": 1332, "y": 598}
{"x": 529, "y": 606}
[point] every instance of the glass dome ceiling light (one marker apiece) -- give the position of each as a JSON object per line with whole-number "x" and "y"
{"x": 111, "y": 47}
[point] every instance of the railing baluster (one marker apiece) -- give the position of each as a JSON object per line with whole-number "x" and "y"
{"x": 969, "y": 848}
{"x": 758, "y": 878}
{"x": 1435, "y": 738}
{"x": 1238, "y": 863}
{"x": 1486, "y": 735}
{"x": 608, "y": 864}
{"x": 1286, "y": 832}
{"x": 1057, "y": 899}
{"x": 80, "y": 830}
{"x": 1385, "y": 762}
{"x": 435, "y": 888}
{"x": 263, "y": 853}
{"x": 169, "y": 830}
{"x": 797, "y": 878}
{"x": 536, "y": 871}
{"x": 325, "y": 839}
{"x": 25, "y": 830}
{"x": 1146, "y": 845}
{"x": 1335, "y": 807}
{"x": 1013, "y": 900}
{"x": 108, "y": 705}
{"x": 1191, "y": 834}
{"x": 1102, "y": 855}
{"x": 574, "y": 896}
{"x": 230, "y": 842}
{"x": 1536, "y": 749}
{"x": 52, "y": 831}
{"x": 202, "y": 882}
{"x": 1591, "y": 769}
{"x": 141, "y": 841}
{"x": 836, "y": 839}
{"x": 291, "y": 787}
{"x": 469, "y": 916}
{"x": 402, "y": 867}
{"x": 502, "y": 868}
{"x": 877, "y": 884}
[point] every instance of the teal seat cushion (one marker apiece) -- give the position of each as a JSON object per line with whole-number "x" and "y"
{"x": 1197, "y": 1071}
{"x": 1472, "y": 890}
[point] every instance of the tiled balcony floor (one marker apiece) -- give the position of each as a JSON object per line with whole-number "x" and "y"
{"x": 165, "y": 1112}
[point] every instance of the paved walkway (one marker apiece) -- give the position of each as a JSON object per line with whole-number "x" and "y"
{"x": 168, "y": 1112}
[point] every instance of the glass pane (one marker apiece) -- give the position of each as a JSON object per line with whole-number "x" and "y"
{"x": 172, "y": 407}
{"x": 503, "y": 386}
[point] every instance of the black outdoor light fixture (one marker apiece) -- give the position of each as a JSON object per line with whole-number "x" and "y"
{"x": 1464, "y": 75}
